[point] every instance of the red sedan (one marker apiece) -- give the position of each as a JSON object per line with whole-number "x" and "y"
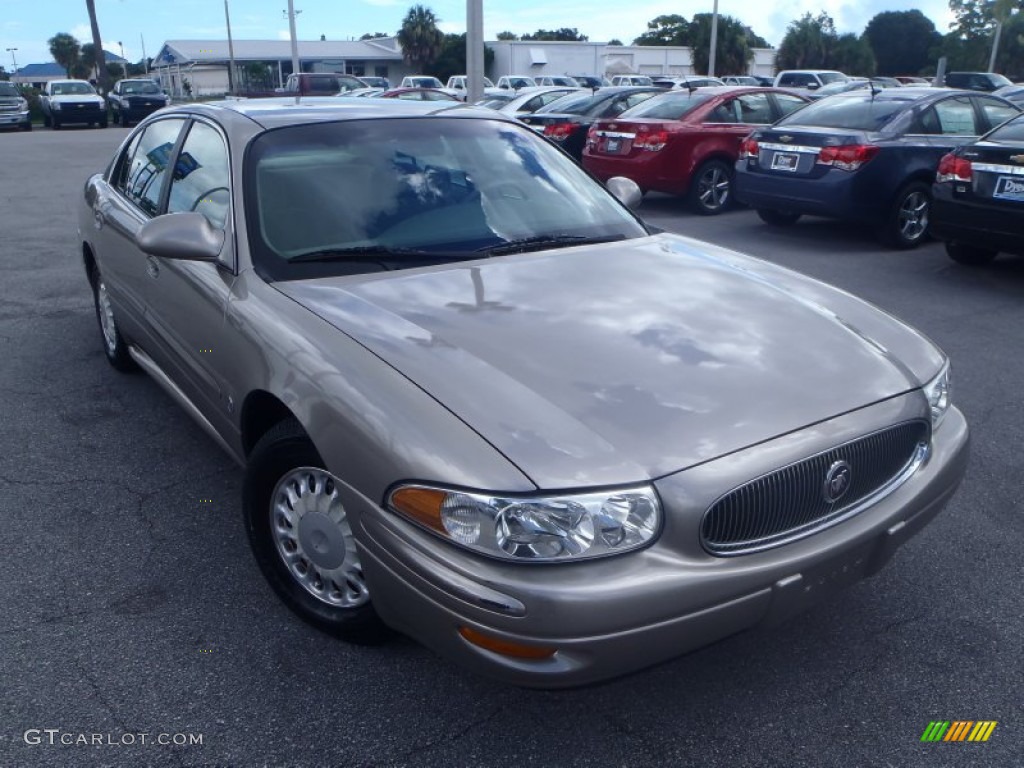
{"x": 685, "y": 142}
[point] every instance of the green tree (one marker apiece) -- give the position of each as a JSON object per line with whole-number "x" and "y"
{"x": 852, "y": 54}
{"x": 452, "y": 58}
{"x": 4, "y": 75}
{"x": 669, "y": 29}
{"x": 506, "y": 35}
{"x": 734, "y": 49}
{"x": 374, "y": 35}
{"x": 99, "y": 58}
{"x": 806, "y": 43}
{"x": 902, "y": 41}
{"x": 65, "y": 49}
{"x": 565, "y": 33}
{"x": 420, "y": 38}
{"x": 615, "y": 41}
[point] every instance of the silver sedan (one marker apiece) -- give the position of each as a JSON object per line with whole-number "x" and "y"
{"x": 479, "y": 402}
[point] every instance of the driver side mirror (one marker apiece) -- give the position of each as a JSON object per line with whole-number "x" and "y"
{"x": 626, "y": 191}
{"x": 188, "y": 236}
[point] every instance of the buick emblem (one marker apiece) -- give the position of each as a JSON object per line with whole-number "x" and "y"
{"x": 837, "y": 482}
{"x": 1017, "y": 158}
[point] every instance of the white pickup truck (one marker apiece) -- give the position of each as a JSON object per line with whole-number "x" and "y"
{"x": 72, "y": 101}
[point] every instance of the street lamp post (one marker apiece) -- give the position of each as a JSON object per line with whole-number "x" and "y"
{"x": 714, "y": 40}
{"x": 295, "y": 41}
{"x": 231, "y": 52}
{"x": 124, "y": 62}
{"x": 474, "y": 51}
{"x": 11, "y": 51}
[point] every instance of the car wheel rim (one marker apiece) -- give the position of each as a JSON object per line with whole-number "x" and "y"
{"x": 313, "y": 537}
{"x": 713, "y": 188}
{"x": 913, "y": 216}
{"x": 107, "y": 324}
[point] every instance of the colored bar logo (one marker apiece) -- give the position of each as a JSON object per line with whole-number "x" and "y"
{"x": 959, "y": 730}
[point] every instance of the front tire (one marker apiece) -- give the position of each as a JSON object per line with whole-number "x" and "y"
{"x": 907, "y": 225}
{"x": 778, "y": 218}
{"x": 114, "y": 346}
{"x": 969, "y": 255}
{"x": 302, "y": 539}
{"x": 46, "y": 121}
{"x": 711, "y": 189}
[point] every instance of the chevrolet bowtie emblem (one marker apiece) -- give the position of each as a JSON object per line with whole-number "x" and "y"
{"x": 786, "y": 139}
{"x": 1017, "y": 158}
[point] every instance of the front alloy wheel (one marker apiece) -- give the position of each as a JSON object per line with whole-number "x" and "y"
{"x": 711, "y": 191}
{"x": 302, "y": 539}
{"x": 908, "y": 223}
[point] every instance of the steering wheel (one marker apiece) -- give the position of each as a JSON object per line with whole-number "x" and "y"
{"x": 206, "y": 196}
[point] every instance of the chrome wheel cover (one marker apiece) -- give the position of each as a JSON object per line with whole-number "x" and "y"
{"x": 713, "y": 188}
{"x": 913, "y": 216}
{"x": 106, "y": 312}
{"x": 313, "y": 538}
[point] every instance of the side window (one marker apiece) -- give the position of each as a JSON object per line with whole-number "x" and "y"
{"x": 119, "y": 178}
{"x": 956, "y": 117}
{"x": 201, "y": 179}
{"x": 148, "y": 164}
{"x": 724, "y": 113}
{"x": 996, "y": 112}
{"x": 754, "y": 108}
{"x": 787, "y": 103}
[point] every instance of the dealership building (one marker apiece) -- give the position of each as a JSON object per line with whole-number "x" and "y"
{"x": 200, "y": 67}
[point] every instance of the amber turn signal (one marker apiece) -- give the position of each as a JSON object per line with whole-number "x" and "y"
{"x": 505, "y": 647}
{"x": 420, "y": 504}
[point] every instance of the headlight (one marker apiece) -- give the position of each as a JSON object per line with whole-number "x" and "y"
{"x": 22, "y": 104}
{"x": 537, "y": 528}
{"x": 56, "y": 106}
{"x": 939, "y": 394}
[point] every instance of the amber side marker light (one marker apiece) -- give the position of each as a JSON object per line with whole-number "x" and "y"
{"x": 504, "y": 647}
{"x": 420, "y": 504}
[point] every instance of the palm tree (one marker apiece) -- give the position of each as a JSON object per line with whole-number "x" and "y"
{"x": 97, "y": 44}
{"x": 64, "y": 49}
{"x": 420, "y": 38}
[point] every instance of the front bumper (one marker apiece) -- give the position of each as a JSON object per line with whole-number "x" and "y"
{"x": 86, "y": 113}
{"x": 614, "y": 616}
{"x": 15, "y": 119}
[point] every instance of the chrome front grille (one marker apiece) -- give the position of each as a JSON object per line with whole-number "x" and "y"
{"x": 791, "y": 502}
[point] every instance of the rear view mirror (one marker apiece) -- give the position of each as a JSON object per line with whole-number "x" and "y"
{"x": 188, "y": 236}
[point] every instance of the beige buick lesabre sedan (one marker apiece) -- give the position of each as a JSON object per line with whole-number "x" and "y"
{"x": 479, "y": 402}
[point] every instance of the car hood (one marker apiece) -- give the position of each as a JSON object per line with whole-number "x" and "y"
{"x": 609, "y": 364}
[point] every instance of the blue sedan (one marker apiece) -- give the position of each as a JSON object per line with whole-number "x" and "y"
{"x": 867, "y": 155}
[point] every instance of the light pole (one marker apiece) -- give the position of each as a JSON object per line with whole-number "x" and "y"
{"x": 474, "y": 51}
{"x": 295, "y": 42}
{"x": 231, "y": 52}
{"x": 124, "y": 62}
{"x": 11, "y": 51}
{"x": 714, "y": 40}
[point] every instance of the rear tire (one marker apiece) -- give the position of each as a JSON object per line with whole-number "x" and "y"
{"x": 301, "y": 537}
{"x": 969, "y": 255}
{"x": 55, "y": 123}
{"x": 711, "y": 188}
{"x": 907, "y": 225}
{"x": 778, "y": 218}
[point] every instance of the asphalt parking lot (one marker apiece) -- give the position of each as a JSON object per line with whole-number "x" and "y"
{"x": 132, "y": 605}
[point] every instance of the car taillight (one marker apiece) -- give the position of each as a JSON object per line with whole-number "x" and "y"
{"x": 848, "y": 157}
{"x": 592, "y": 136}
{"x": 559, "y": 131}
{"x": 953, "y": 168}
{"x": 749, "y": 149}
{"x": 651, "y": 141}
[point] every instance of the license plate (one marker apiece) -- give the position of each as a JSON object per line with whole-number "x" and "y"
{"x": 785, "y": 161}
{"x": 612, "y": 146}
{"x": 1009, "y": 188}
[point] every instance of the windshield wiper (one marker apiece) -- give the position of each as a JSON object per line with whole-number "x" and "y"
{"x": 545, "y": 241}
{"x": 359, "y": 252}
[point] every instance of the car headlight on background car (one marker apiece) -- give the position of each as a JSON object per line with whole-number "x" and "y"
{"x": 939, "y": 394}
{"x": 543, "y": 528}
{"x": 22, "y": 104}
{"x": 56, "y": 106}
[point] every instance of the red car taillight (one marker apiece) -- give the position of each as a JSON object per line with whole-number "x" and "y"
{"x": 560, "y": 131}
{"x": 848, "y": 157}
{"x": 749, "y": 149}
{"x": 592, "y": 136}
{"x": 953, "y": 168}
{"x": 651, "y": 141}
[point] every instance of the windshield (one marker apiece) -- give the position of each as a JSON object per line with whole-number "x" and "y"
{"x": 573, "y": 104}
{"x": 7, "y": 89}
{"x": 342, "y": 193}
{"x": 425, "y": 82}
{"x": 668, "y": 106}
{"x": 65, "y": 89}
{"x": 854, "y": 111}
{"x": 147, "y": 87}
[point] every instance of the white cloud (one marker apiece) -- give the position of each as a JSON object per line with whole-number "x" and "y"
{"x": 284, "y": 34}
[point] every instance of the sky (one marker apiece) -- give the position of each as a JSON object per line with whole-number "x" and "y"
{"x": 28, "y": 24}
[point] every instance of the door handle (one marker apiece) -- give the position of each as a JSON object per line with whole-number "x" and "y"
{"x": 152, "y": 268}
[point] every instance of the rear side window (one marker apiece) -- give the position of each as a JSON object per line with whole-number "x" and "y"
{"x": 753, "y": 108}
{"x": 787, "y": 103}
{"x": 952, "y": 117}
{"x": 142, "y": 173}
{"x": 996, "y": 112}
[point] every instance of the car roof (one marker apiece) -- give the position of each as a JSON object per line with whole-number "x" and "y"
{"x": 279, "y": 112}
